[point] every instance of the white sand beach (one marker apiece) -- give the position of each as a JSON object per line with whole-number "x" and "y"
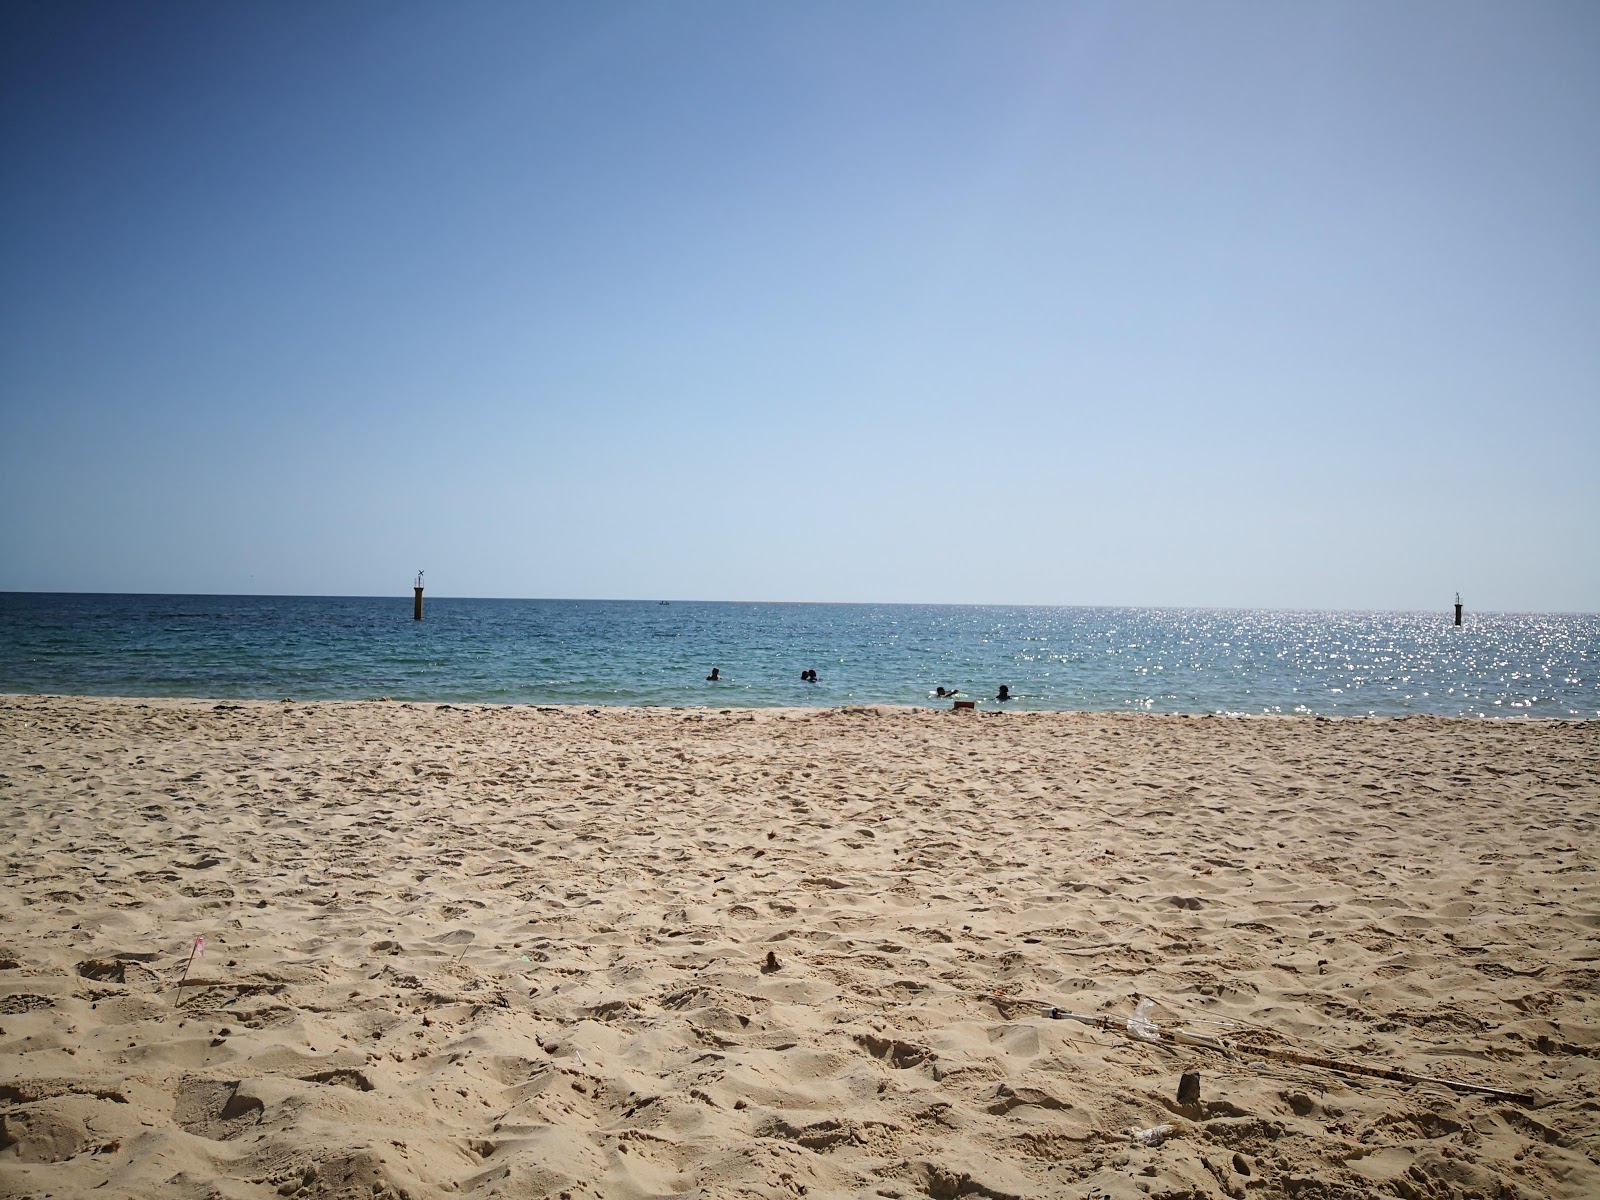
{"x": 516, "y": 951}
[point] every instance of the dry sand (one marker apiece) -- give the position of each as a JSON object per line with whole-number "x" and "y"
{"x": 580, "y": 952}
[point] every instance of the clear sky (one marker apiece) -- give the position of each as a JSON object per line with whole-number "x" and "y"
{"x": 1064, "y": 303}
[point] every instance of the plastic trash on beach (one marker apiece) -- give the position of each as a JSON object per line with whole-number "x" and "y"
{"x": 1153, "y": 1136}
{"x": 1140, "y": 1025}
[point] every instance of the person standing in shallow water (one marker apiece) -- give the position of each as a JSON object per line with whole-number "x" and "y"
{"x": 1005, "y": 694}
{"x": 715, "y": 676}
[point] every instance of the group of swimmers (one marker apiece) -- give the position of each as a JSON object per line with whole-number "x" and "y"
{"x": 810, "y": 676}
{"x": 806, "y": 676}
{"x": 1003, "y": 695}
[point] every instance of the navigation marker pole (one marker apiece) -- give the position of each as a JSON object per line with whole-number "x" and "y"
{"x": 416, "y": 613}
{"x": 1458, "y": 604}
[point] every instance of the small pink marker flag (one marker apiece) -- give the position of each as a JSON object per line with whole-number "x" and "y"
{"x": 198, "y": 951}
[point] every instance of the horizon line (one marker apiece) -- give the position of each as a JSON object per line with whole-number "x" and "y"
{"x": 1446, "y": 609}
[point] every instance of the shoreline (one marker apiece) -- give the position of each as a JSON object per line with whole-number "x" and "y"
{"x": 534, "y": 706}
{"x": 458, "y": 949}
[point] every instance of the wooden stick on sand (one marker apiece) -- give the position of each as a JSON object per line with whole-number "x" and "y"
{"x": 199, "y": 947}
{"x": 1234, "y": 1049}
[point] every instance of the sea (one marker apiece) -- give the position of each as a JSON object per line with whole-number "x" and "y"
{"x": 659, "y": 653}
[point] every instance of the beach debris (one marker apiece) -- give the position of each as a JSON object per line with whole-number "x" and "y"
{"x": 1153, "y": 1136}
{"x": 198, "y": 950}
{"x": 1140, "y": 1027}
{"x": 1389, "y": 1073}
{"x": 1189, "y": 1088}
{"x": 772, "y": 964}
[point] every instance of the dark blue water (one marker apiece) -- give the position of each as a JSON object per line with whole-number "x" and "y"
{"x": 647, "y": 653}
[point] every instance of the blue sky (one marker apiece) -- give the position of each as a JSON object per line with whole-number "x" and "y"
{"x": 1067, "y": 303}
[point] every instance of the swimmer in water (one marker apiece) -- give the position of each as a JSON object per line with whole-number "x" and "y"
{"x": 715, "y": 676}
{"x": 1005, "y": 694}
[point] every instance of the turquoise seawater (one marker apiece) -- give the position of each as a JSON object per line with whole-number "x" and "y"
{"x": 649, "y": 653}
